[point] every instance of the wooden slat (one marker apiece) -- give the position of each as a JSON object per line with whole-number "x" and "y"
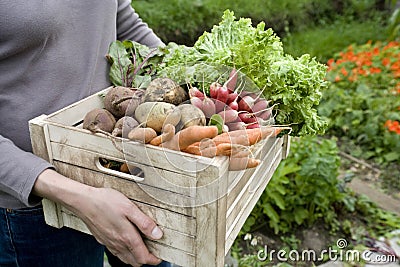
{"x": 132, "y": 190}
{"x": 75, "y": 112}
{"x": 153, "y": 176}
{"x": 236, "y": 187}
{"x": 159, "y": 249}
{"x": 175, "y": 161}
{"x": 247, "y": 203}
{"x": 210, "y": 216}
{"x": 262, "y": 172}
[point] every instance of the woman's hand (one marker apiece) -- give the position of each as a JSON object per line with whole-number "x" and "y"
{"x": 110, "y": 216}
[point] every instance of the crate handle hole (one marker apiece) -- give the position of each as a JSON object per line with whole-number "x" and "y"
{"x": 121, "y": 169}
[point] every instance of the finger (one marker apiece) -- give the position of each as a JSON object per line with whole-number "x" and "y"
{"x": 144, "y": 223}
{"x": 134, "y": 251}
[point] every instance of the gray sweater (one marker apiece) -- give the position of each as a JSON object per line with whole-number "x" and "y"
{"x": 52, "y": 53}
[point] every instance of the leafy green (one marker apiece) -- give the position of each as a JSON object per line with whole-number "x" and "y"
{"x": 294, "y": 84}
{"x": 132, "y": 64}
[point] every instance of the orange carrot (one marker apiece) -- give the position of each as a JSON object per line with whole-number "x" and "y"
{"x": 223, "y": 149}
{"x": 237, "y": 164}
{"x": 248, "y": 137}
{"x": 190, "y": 135}
{"x": 167, "y": 134}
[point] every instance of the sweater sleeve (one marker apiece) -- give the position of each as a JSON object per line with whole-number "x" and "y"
{"x": 131, "y": 27}
{"x": 18, "y": 171}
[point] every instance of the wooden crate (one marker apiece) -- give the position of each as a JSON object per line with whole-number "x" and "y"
{"x": 198, "y": 203}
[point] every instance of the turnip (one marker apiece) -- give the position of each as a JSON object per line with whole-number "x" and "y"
{"x": 122, "y": 101}
{"x": 195, "y": 92}
{"x": 99, "y": 120}
{"x": 190, "y": 116}
{"x": 153, "y": 114}
{"x": 165, "y": 90}
{"x": 259, "y": 105}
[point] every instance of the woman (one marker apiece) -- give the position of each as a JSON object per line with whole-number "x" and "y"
{"x": 52, "y": 54}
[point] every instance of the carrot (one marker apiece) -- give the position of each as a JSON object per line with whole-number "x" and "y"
{"x": 167, "y": 134}
{"x": 190, "y": 135}
{"x": 212, "y": 150}
{"x": 237, "y": 164}
{"x": 248, "y": 137}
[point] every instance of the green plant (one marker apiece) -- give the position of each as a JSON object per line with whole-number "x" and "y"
{"x": 303, "y": 188}
{"x": 363, "y": 99}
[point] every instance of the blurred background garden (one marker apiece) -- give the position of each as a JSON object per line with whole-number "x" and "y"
{"x": 322, "y": 192}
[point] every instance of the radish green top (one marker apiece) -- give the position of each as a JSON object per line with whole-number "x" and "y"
{"x": 52, "y": 54}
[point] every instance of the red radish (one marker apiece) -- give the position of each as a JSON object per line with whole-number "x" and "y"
{"x": 253, "y": 125}
{"x": 229, "y": 115}
{"x": 247, "y": 117}
{"x": 219, "y": 105}
{"x": 223, "y": 94}
{"x": 233, "y": 126}
{"x": 259, "y": 105}
{"x": 246, "y": 103}
{"x": 231, "y": 82}
{"x": 265, "y": 115}
{"x": 214, "y": 87}
{"x": 234, "y": 105}
{"x": 197, "y": 102}
{"x": 194, "y": 92}
{"x": 232, "y": 97}
{"x": 209, "y": 107}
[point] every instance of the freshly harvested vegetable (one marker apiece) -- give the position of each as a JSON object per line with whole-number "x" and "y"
{"x": 123, "y": 126}
{"x": 153, "y": 114}
{"x": 167, "y": 134}
{"x": 190, "y": 135}
{"x": 98, "y": 120}
{"x": 165, "y": 90}
{"x": 143, "y": 135}
{"x": 205, "y": 104}
{"x": 294, "y": 84}
{"x": 248, "y": 137}
{"x": 218, "y": 121}
{"x": 190, "y": 116}
{"x": 122, "y": 101}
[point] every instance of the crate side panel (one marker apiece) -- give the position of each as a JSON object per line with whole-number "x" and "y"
{"x": 163, "y": 251}
{"x": 156, "y": 177}
{"x": 236, "y": 187}
{"x": 131, "y": 189}
{"x": 74, "y": 113}
{"x": 130, "y": 151}
{"x": 246, "y": 204}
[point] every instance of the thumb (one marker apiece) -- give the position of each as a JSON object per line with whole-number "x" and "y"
{"x": 144, "y": 223}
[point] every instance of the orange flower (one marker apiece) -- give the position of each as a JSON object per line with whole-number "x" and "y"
{"x": 373, "y": 70}
{"x": 385, "y": 61}
{"x": 344, "y": 71}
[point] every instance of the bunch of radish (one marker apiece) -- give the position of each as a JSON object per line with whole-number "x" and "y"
{"x": 238, "y": 109}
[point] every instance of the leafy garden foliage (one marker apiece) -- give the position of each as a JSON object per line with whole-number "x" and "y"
{"x": 363, "y": 101}
{"x": 303, "y": 189}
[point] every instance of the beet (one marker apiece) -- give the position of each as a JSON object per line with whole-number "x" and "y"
{"x": 122, "y": 101}
{"x": 99, "y": 119}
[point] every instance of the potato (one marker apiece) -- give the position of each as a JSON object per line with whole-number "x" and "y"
{"x": 153, "y": 114}
{"x": 99, "y": 119}
{"x": 165, "y": 90}
{"x": 190, "y": 115}
{"x": 124, "y": 125}
{"x": 122, "y": 101}
{"x": 143, "y": 135}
